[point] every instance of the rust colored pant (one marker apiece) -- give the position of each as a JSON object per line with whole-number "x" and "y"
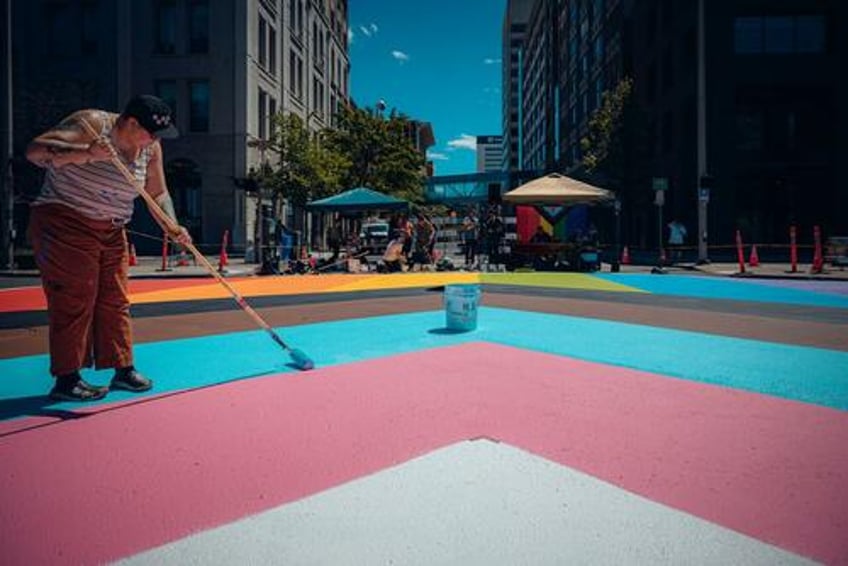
{"x": 84, "y": 271}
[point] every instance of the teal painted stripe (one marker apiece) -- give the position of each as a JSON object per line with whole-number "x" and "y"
{"x": 812, "y": 375}
{"x": 724, "y": 288}
{"x": 806, "y": 374}
{"x": 194, "y": 362}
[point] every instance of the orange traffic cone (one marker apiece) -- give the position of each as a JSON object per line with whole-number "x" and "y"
{"x": 224, "y": 260}
{"x": 818, "y": 259}
{"x": 754, "y": 259}
{"x": 183, "y": 261}
{"x": 133, "y": 258}
{"x": 625, "y": 256}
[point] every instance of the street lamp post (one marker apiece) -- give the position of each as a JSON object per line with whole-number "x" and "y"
{"x": 262, "y": 145}
{"x": 615, "y": 265}
{"x": 702, "y": 190}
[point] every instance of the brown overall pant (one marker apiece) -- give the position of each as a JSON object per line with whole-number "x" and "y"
{"x": 84, "y": 271}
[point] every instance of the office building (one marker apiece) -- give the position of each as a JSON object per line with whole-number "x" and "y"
{"x": 489, "y": 153}
{"x": 224, "y": 67}
{"x": 756, "y": 145}
{"x": 512, "y": 76}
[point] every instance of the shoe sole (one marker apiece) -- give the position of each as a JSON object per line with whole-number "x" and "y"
{"x": 64, "y": 397}
{"x": 123, "y": 387}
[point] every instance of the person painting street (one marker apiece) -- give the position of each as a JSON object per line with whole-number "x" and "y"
{"x": 77, "y": 231}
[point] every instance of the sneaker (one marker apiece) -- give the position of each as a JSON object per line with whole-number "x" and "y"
{"x": 79, "y": 390}
{"x": 129, "y": 379}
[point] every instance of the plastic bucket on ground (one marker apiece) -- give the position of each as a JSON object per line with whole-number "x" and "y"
{"x": 461, "y": 307}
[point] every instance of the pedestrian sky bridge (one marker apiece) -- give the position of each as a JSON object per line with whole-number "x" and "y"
{"x": 475, "y": 187}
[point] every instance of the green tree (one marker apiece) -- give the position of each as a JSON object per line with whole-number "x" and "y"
{"x": 602, "y": 148}
{"x": 289, "y": 177}
{"x": 617, "y": 155}
{"x": 379, "y": 152}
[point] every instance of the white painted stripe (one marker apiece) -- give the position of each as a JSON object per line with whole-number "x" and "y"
{"x": 471, "y": 503}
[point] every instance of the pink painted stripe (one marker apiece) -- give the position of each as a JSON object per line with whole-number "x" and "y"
{"x": 770, "y": 468}
{"x": 119, "y": 482}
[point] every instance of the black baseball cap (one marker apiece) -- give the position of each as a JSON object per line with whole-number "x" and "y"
{"x": 153, "y": 114}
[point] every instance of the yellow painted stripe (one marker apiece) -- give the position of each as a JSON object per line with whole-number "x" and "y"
{"x": 254, "y": 287}
{"x": 408, "y": 280}
{"x": 342, "y": 282}
{"x": 581, "y": 281}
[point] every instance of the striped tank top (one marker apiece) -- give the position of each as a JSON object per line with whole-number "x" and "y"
{"x": 96, "y": 190}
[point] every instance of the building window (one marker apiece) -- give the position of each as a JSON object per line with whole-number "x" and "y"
{"x": 292, "y": 71}
{"x": 749, "y": 131}
{"x": 809, "y": 34}
{"x": 165, "y": 27}
{"x": 599, "y": 48}
{"x": 667, "y": 132}
{"x": 668, "y": 68}
{"x": 88, "y": 28}
{"x": 199, "y": 107}
{"x": 599, "y": 91}
{"x": 779, "y": 34}
{"x": 272, "y": 50}
{"x": 56, "y": 17}
{"x": 198, "y": 26}
{"x": 263, "y": 114}
{"x": 300, "y": 78}
{"x": 263, "y": 41}
{"x": 296, "y": 75}
{"x": 167, "y": 91}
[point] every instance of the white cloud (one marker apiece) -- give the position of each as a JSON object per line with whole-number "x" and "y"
{"x": 491, "y": 61}
{"x": 350, "y": 35}
{"x": 369, "y": 30}
{"x": 464, "y": 141}
{"x": 435, "y": 156}
{"x": 400, "y": 56}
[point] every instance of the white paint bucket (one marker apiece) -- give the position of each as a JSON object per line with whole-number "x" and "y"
{"x": 461, "y": 307}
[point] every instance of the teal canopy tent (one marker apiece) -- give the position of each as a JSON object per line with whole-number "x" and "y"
{"x": 356, "y": 200}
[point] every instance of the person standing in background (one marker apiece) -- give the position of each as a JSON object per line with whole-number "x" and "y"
{"x": 676, "y": 238}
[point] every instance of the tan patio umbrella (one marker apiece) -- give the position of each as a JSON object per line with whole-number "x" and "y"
{"x": 558, "y": 189}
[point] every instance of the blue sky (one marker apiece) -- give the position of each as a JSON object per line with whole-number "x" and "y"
{"x": 434, "y": 60}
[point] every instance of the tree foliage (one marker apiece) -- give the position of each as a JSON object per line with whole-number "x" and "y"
{"x": 380, "y": 152}
{"x": 364, "y": 150}
{"x": 602, "y": 148}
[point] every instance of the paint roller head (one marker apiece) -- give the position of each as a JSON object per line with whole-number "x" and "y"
{"x": 301, "y": 360}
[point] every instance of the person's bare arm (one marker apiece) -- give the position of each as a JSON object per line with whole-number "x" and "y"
{"x": 68, "y": 142}
{"x": 157, "y": 187}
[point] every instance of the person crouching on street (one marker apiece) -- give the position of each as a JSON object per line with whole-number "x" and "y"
{"x": 394, "y": 258}
{"x": 77, "y": 231}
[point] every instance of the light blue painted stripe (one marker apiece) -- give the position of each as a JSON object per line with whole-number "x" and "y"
{"x": 723, "y": 288}
{"x": 194, "y": 362}
{"x": 812, "y": 375}
{"x": 806, "y": 374}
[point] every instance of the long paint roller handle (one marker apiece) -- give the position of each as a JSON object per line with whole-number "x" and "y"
{"x": 301, "y": 360}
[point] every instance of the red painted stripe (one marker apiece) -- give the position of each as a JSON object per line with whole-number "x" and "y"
{"x": 119, "y": 482}
{"x": 24, "y": 299}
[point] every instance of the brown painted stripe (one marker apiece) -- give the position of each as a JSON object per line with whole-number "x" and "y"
{"x": 28, "y": 341}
